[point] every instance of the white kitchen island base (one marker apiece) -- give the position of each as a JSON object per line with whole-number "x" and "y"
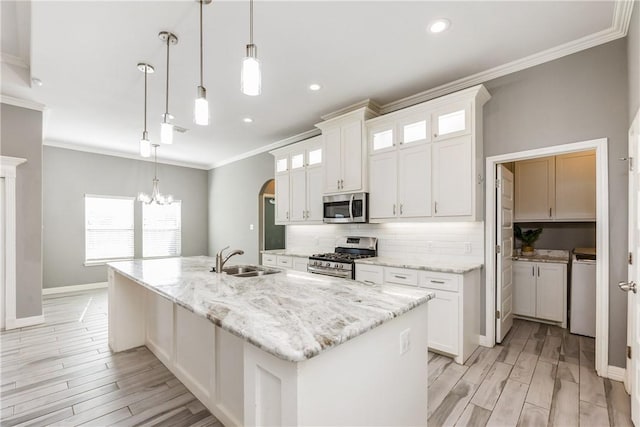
{"x": 368, "y": 380}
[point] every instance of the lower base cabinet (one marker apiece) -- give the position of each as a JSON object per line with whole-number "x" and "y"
{"x": 540, "y": 291}
{"x": 285, "y": 261}
{"x": 454, "y": 314}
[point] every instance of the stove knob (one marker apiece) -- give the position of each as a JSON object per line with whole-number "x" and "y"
{"x": 336, "y": 265}
{"x": 328, "y": 264}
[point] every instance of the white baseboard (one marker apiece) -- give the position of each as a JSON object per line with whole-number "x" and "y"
{"x": 617, "y": 374}
{"x": 74, "y": 288}
{"x": 23, "y": 322}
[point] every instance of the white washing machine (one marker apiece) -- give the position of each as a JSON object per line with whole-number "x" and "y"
{"x": 583, "y": 292}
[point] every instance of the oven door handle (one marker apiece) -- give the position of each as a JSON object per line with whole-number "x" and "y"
{"x": 351, "y": 207}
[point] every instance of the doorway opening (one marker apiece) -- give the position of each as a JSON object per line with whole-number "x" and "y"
{"x": 271, "y": 236}
{"x": 499, "y": 314}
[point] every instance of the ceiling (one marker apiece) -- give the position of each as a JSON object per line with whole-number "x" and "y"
{"x": 85, "y": 53}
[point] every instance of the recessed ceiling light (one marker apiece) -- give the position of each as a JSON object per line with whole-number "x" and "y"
{"x": 315, "y": 87}
{"x": 247, "y": 120}
{"x": 439, "y": 25}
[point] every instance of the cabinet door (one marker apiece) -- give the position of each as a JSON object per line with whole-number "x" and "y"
{"x": 381, "y": 138}
{"x": 451, "y": 121}
{"x": 282, "y": 199}
{"x": 444, "y": 322}
{"x": 314, "y": 194}
{"x": 371, "y": 274}
{"x": 383, "y": 175}
{"x": 534, "y": 189}
{"x": 332, "y": 163}
{"x": 352, "y": 157}
{"x": 414, "y": 130}
{"x": 524, "y": 288}
{"x": 551, "y": 280}
{"x": 298, "y": 194}
{"x": 299, "y": 263}
{"x": 453, "y": 177}
{"x": 414, "y": 181}
{"x": 576, "y": 186}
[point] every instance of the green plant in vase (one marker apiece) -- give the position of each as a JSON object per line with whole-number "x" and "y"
{"x": 528, "y": 238}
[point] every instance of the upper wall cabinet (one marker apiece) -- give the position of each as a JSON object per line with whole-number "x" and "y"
{"x": 299, "y": 182}
{"x": 344, "y": 143}
{"x": 560, "y": 188}
{"x": 425, "y": 162}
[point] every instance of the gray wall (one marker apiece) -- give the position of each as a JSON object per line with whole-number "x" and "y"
{"x": 69, "y": 175}
{"x": 576, "y": 98}
{"x": 563, "y": 235}
{"x": 21, "y": 136}
{"x": 233, "y": 205}
{"x": 633, "y": 58}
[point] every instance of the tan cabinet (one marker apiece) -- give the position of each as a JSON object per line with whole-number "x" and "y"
{"x": 560, "y": 188}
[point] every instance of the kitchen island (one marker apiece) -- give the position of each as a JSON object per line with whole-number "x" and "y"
{"x": 290, "y": 348}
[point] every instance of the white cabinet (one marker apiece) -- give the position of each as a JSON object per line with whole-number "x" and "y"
{"x": 454, "y": 316}
{"x": 560, "y": 188}
{"x": 299, "y": 263}
{"x": 453, "y": 179}
{"x": 344, "y": 146}
{"x": 285, "y": 261}
{"x": 540, "y": 290}
{"x": 270, "y": 260}
{"x": 299, "y": 182}
{"x": 576, "y": 186}
{"x": 425, "y": 161}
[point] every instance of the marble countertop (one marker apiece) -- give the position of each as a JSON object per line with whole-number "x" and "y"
{"x": 289, "y": 252}
{"x": 292, "y": 315}
{"x": 427, "y": 263}
{"x": 545, "y": 255}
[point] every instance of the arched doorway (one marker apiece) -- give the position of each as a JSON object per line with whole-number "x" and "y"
{"x": 271, "y": 236}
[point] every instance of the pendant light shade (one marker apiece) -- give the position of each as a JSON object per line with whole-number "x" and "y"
{"x": 145, "y": 144}
{"x": 201, "y": 107}
{"x": 166, "y": 127}
{"x": 251, "y": 75}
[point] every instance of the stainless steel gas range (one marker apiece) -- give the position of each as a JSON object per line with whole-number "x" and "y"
{"x": 341, "y": 262}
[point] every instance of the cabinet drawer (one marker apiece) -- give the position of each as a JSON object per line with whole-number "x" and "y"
{"x": 270, "y": 260}
{"x": 299, "y": 263}
{"x": 285, "y": 261}
{"x": 441, "y": 281}
{"x": 372, "y": 274}
{"x": 401, "y": 276}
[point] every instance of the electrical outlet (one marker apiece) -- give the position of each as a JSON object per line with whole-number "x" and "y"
{"x": 405, "y": 341}
{"x": 467, "y": 247}
{"x": 429, "y": 246}
{"x": 251, "y": 227}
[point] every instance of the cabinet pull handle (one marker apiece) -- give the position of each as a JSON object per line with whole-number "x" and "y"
{"x": 533, "y": 270}
{"x": 342, "y": 184}
{"x": 338, "y": 184}
{"x": 397, "y": 276}
{"x": 304, "y": 216}
{"x": 435, "y": 135}
{"x": 436, "y": 206}
{"x": 440, "y": 282}
{"x": 538, "y": 271}
{"x": 400, "y": 208}
{"x": 549, "y": 212}
{"x": 369, "y": 281}
{"x": 287, "y": 215}
{"x": 394, "y": 208}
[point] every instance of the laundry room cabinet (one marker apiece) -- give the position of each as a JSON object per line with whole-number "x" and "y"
{"x": 540, "y": 291}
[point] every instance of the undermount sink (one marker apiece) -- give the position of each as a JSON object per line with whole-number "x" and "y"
{"x": 248, "y": 271}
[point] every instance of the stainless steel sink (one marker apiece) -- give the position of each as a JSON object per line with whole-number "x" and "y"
{"x": 248, "y": 271}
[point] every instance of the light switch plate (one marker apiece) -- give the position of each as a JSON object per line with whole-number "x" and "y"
{"x": 405, "y": 341}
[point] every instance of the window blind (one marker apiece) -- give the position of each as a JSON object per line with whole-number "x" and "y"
{"x": 108, "y": 228}
{"x": 162, "y": 230}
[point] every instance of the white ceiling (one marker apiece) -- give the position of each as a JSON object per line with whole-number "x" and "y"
{"x": 86, "y": 53}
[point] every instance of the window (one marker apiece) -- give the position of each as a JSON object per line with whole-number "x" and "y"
{"x": 161, "y": 230}
{"x": 108, "y": 228}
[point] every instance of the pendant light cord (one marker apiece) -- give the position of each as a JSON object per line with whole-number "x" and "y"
{"x": 166, "y": 107}
{"x": 155, "y": 161}
{"x": 250, "y": 21}
{"x": 146, "y": 68}
{"x": 201, "y": 65}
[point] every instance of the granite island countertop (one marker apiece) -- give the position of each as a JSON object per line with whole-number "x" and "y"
{"x": 428, "y": 264}
{"x": 292, "y": 315}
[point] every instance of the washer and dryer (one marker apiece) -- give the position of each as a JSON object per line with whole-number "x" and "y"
{"x": 583, "y": 292}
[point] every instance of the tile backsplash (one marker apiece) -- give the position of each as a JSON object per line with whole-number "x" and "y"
{"x": 459, "y": 240}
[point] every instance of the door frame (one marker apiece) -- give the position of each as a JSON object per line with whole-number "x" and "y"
{"x": 602, "y": 239}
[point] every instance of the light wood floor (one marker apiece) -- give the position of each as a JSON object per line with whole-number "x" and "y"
{"x": 63, "y": 373}
{"x": 540, "y": 376}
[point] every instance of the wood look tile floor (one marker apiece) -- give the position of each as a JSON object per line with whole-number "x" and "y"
{"x": 63, "y": 373}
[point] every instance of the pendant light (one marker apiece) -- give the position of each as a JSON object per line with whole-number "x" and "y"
{"x": 251, "y": 79}
{"x": 201, "y": 108}
{"x": 166, "y": 127}
{"x": 155, "y": 197}
{"x": 145, "y": 144}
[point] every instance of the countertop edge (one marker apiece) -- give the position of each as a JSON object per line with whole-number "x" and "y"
{"x": 454, "y": 269}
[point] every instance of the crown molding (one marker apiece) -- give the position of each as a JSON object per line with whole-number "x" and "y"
{"x": 619, "y": 27}
{"x": 366, "y": 103}
{"x": 278, "y": 144}
{"x": 121, "y": 154}
{"x": 24, "y": 103}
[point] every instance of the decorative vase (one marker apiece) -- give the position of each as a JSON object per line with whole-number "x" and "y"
{"x": 527, "y": 250}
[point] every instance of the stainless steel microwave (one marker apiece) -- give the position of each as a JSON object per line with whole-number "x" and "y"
{"x": 346, "y": 208}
